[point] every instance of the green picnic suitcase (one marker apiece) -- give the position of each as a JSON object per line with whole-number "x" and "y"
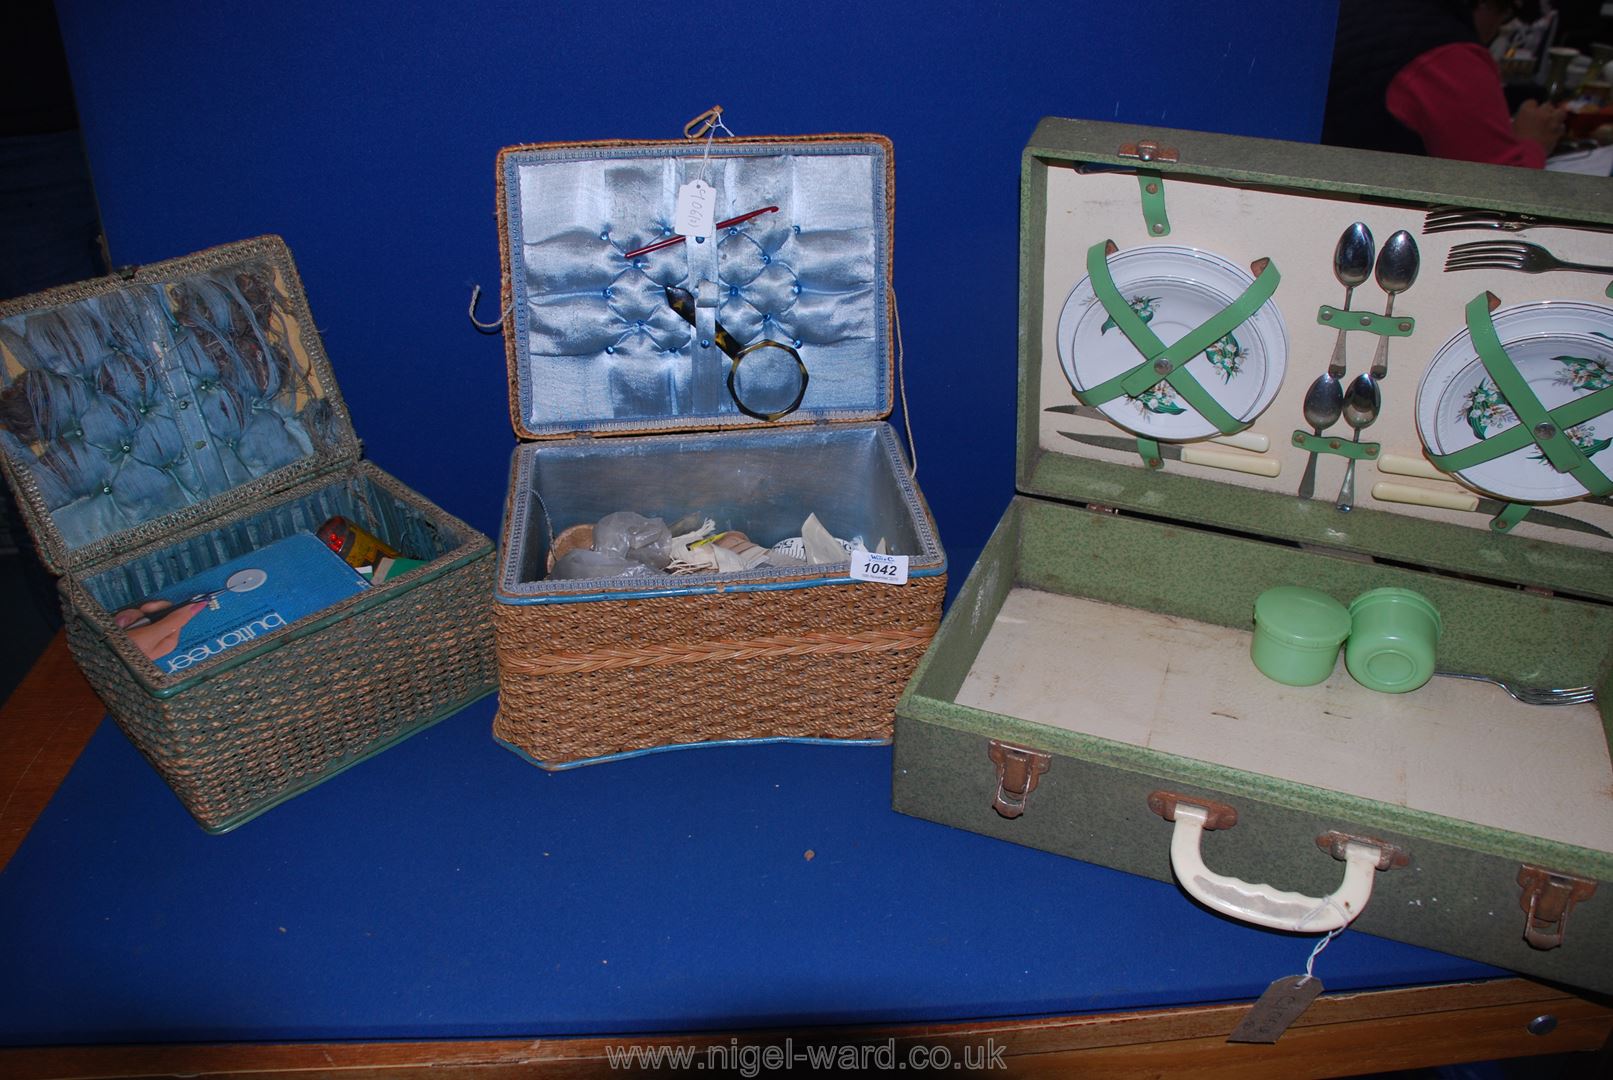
{"x": 1091, "y": 690}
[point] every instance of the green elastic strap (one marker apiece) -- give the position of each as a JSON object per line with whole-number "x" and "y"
{"x": 1371, "y": 322}
{"x": 1516, "y": 438}
{"x": 1332, "y": 444}
{"x": 1169, "y": 363}
{"x": 1533, "y": 417}
{"x": 1509, "y": 516}
{"x": 1148, "y": 449}
{"x": 1152, "y": 187}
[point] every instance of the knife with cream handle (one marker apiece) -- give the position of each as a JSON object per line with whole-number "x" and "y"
{"x": 1462, "y": 499}
{"x": 1425, "y": 470}
{"x": 1400, "y": 465}
{"x": 1191, "y": 453}
{"x": 1252, "y": 441}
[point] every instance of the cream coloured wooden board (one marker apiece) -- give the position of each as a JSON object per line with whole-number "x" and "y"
{"x": 1460, "y": 750}
{"x": 1299, "y": 232}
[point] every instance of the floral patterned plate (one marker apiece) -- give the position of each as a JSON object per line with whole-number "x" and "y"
{"x": 1174, "y": 289}
{"x": 1563, "y": 349}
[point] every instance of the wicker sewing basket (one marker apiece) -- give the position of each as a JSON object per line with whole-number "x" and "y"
{"x": 108, "y": 384}
{"x": 594, "y": 669}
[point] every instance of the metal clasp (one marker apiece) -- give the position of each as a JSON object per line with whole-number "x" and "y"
{"x": 1149, "y": 150}
{"x": 1547, "y": 898}
{"x": 1018, "y": 771}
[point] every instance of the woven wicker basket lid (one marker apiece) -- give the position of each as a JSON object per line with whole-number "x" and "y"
{"x": 583, "y": 319}
{"x": 177, "y": 392}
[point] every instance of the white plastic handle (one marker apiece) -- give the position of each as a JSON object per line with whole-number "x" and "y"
{"x": 1262, "y": 904}
{"x": 1400, "y": 465}
{"x": 1448, "y": 498}
{"x": 1221, "y": 459}
{"x": 1245, "y": 440}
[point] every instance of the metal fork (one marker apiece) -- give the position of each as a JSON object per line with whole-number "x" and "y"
{"x": 1532, "y": 695}
{"x": 1513, "y": 255}
{"x": 1448, "y": 218}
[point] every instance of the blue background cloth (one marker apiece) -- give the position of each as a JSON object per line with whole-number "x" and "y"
{"x": 448, "y": 888}
{"x": 365, "y": 133}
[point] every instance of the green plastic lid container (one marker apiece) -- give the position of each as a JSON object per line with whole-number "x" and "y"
{"x": 1394, "y": 633}
{"x": 1298, "y": 632}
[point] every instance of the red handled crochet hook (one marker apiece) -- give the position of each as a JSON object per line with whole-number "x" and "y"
{"x": 678, "y": 238}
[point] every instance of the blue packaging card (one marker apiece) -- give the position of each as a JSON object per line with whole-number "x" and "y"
{"x": 240, "y": 601}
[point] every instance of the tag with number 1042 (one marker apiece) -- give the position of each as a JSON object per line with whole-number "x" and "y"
{"x": 889, "y": 569}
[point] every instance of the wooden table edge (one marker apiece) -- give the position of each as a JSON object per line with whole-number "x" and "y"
{"x": 48, "y": 720}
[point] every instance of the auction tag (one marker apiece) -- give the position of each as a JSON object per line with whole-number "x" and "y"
{"x": 890, "y": 569}
{"x": 1282, "y": 1003}
{"x": 696, "y": 211}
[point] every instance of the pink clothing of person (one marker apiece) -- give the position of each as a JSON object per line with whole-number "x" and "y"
{"x": 1451, "y": 96}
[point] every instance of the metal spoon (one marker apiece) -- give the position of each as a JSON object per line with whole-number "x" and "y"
{"x": 1324, "y": 402}
{"x": 1361, "y": 404}
{"x": 1352, "y": 265}
{"x": 1398, "y": 263}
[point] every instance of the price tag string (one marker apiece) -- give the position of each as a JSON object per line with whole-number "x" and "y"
{"x": 1327, "y": 938}
{"x": 1310, "y": 961}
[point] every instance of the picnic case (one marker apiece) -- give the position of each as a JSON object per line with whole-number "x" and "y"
{"x": 623, "y": 404}
{"x": 165, "y": 421}
{"x": 1091, "y": 691}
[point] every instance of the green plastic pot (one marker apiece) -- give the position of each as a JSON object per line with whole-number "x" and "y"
{"x": 1393, "y": 637}
{"x": 1298, "y": 632}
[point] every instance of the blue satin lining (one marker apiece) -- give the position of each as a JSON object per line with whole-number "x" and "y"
{"x": 602, "y": 347}
{"x": 137, "y": 403}
{"x": 357, "y": 498}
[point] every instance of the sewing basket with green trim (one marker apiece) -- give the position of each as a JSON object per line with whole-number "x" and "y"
{"x": 175, "y": 417}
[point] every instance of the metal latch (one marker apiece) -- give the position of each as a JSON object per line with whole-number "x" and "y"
{"x": 1018, "y": 770}
{"x": 1548, "y": 897}
{"x": 1149, "y": 150}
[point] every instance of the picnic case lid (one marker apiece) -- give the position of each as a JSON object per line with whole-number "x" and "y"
{"x": 1274, "y": 211}
{"x": 168, "y": 394}
{"x": 592, "y": 342}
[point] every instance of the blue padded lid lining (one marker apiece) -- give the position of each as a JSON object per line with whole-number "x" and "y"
{"x": 129, "y": 404}
{"x": 597, "y": 346}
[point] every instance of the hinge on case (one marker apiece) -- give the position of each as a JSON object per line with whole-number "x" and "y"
{"x": 1149, "y": 150}
{"x": 1018, "y": 770}
{"x": 1548, "y": 897}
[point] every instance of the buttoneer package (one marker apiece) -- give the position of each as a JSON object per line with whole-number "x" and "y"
{"x": 248, "y": 597}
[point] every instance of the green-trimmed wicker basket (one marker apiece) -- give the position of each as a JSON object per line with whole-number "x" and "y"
{"x": 162, "y": 422}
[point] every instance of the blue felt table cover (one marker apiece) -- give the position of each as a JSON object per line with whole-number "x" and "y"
{"x": 448, "y": 889}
